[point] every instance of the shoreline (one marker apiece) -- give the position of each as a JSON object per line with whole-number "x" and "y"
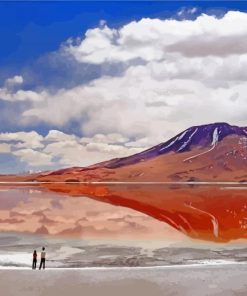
{"x": 172, "y": 266}
{"x": 134, "y": 182}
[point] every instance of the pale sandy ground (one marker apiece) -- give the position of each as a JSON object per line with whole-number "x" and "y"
{"x": 218, "y": 280}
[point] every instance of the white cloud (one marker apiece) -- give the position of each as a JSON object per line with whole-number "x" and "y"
{"x": 193, "y": 10}
{"x": 23, "y": 139}
{"x": 33, "y": 158}
{"x": 187, "y": 11}
{"x": 148, "y": 39}
{"x": 74, "y": 151}
{"x": 11, "y": 92}
{"x": 58, "y": 149}
{"x": 14, "y": 80}
{"x": 177, "y": 74}
{"x": 153, "y": 101}
{"x": 56, "y": 136}
{"x": 20, "y": 95}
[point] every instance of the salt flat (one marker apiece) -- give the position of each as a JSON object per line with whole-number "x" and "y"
{"x": 191, "y": 280}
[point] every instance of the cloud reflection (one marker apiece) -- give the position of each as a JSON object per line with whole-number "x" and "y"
{"x": 40, "y": 212}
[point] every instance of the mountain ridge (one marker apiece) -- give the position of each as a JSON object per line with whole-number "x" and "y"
{"x": 181, "y": 142}
{"x": 211, "y": 152}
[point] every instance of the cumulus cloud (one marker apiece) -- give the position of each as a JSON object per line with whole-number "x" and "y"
{"x": 58, "y": 149}
{"x": 81, "y": 152}
{"x": 11, "y": 92}
{"x": 21, "y": 95}
{"x": 14, "y": 80}
{"x": 33, "y": 157}
{"x": 148, "y": 39}
{"x": 57, "y": 136}
{"x": 176, "y": 73}
{"x": 23, "y": 139}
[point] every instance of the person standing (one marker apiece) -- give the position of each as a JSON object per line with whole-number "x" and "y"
{"x": 42, "y": 259}
{"x": 34, "y": 259}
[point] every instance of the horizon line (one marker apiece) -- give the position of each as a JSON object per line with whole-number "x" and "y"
{"x": 134, "y": 182}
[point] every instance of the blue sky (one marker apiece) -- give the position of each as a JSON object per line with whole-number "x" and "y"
{"x": 63, "y": 65}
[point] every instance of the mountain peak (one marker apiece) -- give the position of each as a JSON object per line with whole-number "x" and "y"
{"x": 202, "y": 136}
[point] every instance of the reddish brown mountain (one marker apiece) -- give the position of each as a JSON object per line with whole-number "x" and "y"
{"x": 215, "y": 152}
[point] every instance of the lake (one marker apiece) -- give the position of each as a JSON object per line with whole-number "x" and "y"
{"x": 105, "y": 224}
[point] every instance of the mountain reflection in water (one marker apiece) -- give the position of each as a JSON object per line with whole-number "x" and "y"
{"x": 216, "y": 212}
{"x": 37, "y": 210}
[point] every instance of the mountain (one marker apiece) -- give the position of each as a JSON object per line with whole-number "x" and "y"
{"x": 212, "y": 152}
{"x": 205, "y": 136}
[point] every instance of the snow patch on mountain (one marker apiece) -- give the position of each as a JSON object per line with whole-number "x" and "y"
{"x": 215, "y": 137}
{"x": 176, "y": 139}
{"x": 214, "y": 143}
{"x": 188, "y": 141}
